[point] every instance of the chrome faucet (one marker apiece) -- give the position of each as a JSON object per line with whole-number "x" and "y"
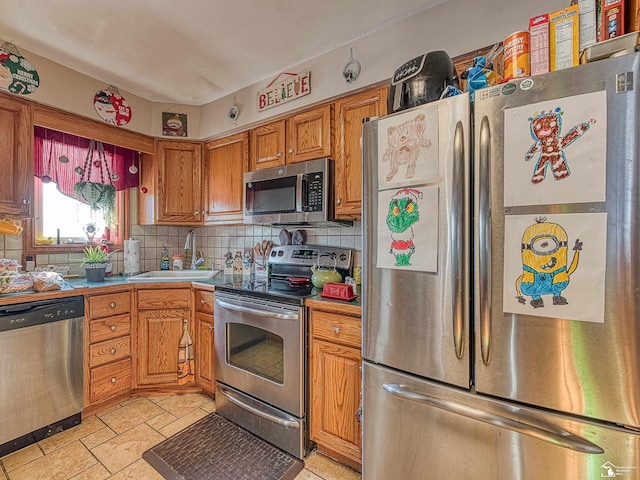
{"x": 190, "y": 245}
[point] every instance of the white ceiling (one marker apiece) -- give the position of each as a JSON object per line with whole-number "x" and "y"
{"x": 191, "y": 51}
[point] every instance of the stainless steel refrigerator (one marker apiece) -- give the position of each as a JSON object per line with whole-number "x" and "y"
{"x": 502, "y": 326}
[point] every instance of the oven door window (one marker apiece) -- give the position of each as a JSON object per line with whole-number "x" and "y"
{"x": 256, "y": 351}
{"x": 272, "y": 196}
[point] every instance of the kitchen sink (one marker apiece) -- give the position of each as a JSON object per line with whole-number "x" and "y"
{"x": 174, "y": 275}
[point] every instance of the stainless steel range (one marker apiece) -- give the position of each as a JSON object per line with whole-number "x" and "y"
{"x": 260, "y": 339}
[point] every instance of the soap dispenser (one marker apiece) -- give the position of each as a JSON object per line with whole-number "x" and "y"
{"x": 164, "y": 263}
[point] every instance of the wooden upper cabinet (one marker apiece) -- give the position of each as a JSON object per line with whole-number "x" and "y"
{"x": 179, "y": 182}
{"x": 225, "y": 162}
{"x": 268, "y": 145}
{"x": 302, "y": 136}
{"x": 350, "y": 111}
{"x": 309, "y": 134}
{"x": 16, "y": 158}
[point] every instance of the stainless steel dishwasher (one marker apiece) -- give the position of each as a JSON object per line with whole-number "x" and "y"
{"x": 41, "y": 370}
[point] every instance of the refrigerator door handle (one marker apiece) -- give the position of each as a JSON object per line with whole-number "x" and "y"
{"x": 561, "y": 438}
{"x": 484, "y": 239}
{"x": 458, "y": 200}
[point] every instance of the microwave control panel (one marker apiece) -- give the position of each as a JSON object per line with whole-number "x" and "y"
{"x": 314, "y": 192}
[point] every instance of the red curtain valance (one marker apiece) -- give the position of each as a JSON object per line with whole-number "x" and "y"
{"x": 51, "y": 146}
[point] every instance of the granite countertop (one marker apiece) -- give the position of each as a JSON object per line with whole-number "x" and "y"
{"x": 80, "y": 286}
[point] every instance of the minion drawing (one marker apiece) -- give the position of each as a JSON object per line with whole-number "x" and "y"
{"x": 544, "y": 263}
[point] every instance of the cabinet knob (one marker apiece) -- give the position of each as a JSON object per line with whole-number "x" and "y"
{"x": 197, "y": 212}
{"x": 26, "y": 201}
{"x": 113, "y": 351}
{"x": 290, "y": 150}
{"x": 336, "y": 330}
{"x": 279, "y": 154}
{"x": 112, "y": 304}
{"x": 202, "y": 301}
{"x": 337, "y": 201}
{"x": 114, "y": 380}
{"x": 210, "y": 327}
{"x": 113, "y": 328}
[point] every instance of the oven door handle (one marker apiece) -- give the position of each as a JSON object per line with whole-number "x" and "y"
{"x": 267, "y": 416}
{"x": 254, "y": 311}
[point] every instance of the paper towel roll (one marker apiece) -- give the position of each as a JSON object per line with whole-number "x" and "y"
{"x": 131, "y": 257}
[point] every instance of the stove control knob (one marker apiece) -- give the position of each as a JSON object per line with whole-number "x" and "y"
{"x": 280, "y": 253}
{"x": 273, "y": 253}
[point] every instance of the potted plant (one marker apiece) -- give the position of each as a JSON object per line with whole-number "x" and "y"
{"x": 95, "y": 263}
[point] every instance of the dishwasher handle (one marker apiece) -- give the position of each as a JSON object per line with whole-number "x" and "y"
{"x": 560, "y": 438}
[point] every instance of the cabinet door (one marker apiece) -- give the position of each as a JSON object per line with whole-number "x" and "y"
{"x": 350, "y": 111}
{"x": 16, "y": 158}
{"x": 179, "y": 181}
{"x": 335, "y": 398}
{"x": 204, "y": 351}
{"x": 159, "y": 334}
{"x": 226, "y": 161}
{"x": 267, "y": 145}
{"x": 309, "y": 134}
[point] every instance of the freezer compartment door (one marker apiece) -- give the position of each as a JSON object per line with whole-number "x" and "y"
{"x": 415, "y": 429}
{"x": 415, "y": 311}
{"x": 557, "y": 249}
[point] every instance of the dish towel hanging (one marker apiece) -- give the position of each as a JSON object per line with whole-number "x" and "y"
{"x": 186, "y": 368}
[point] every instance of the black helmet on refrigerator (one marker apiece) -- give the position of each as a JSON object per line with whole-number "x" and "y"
{"x": 421, "y": 80}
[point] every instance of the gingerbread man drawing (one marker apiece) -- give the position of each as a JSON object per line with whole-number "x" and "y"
{"x": 546, "y": 128}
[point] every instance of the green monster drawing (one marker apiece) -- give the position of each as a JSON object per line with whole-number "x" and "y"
{"x": 403, "y": 213}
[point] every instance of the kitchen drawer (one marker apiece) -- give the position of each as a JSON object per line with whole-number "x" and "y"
{"x": 204, "y": 301}
{"x": 110, "y": 327}
{"x": 158, "y": 299}
{"x": 109, "y": 304}
{"x": 337, "y": 328}
{"x": 110, "y": 380}
{"x": 109, "y": 350}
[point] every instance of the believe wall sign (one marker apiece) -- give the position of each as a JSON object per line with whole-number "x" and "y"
{"x": 295, "y": 85}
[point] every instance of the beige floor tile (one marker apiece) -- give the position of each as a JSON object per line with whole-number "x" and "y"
{"x": 98, "y": 437}
{"x": 106, "y": 411}
{"x": 125, "y": 449}
{"x": 139, "y": 470}
{"x": 97, "y": 472}
{"x": 209, "y": 407}
{"x": 158, "y": 398}
{"x": 62, "y": 464}
{"x": 21, "y": 457}
{"x": 131, "y": 415}
{"x": 180, "y": 405}
{"x": 159, "y": 421}
{"x": 307, "y": 475}
{"x": 183, "y": 422}
{"x": 2, "y": 475}
{"x": 329, "y": 469}
{"x": 126, "y": 402}
{"x": 87, "y": 427}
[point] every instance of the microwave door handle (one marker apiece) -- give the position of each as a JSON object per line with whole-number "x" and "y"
{"x": 300, "y": 185}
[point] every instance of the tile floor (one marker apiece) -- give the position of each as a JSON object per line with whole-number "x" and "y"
{"x": 110, "y": 444}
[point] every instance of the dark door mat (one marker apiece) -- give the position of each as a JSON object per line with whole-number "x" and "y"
{"x": 213, "y": 448}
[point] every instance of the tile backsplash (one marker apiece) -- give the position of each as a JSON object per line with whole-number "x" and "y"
{"x": 213, "y": 242}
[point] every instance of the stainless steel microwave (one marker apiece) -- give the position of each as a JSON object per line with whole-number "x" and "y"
{"x": 300, "y": 194}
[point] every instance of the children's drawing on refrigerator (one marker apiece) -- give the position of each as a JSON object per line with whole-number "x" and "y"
{"x": 555, "y": 265}
{"x": 566, "y": 162}
{"x": 408, "y": 229}
{"x": 409, "y": 143}
{"x": 549, "y": 145}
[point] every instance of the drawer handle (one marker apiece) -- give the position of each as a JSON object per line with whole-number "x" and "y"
{"x": 336, "y": 330}
{"x": 112, "y": 304}
{"x": 113, "y": 351}
{"x": 114, "y": 380}
{"x": 113, "y": 328}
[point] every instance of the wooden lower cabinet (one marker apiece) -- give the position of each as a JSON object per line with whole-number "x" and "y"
{"x": 108, "y": 344}
{"x": 335, "y": 380}
{"x": 161, "y": 316}
{"x": 203, "y": 349}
